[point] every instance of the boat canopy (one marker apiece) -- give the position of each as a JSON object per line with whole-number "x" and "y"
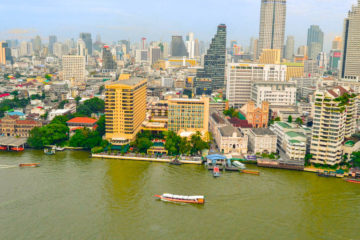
{"x": 216, "y": 157}
{"x": 168, "y": 195}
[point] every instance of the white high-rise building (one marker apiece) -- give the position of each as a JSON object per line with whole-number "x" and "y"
{"x": 74, "y": 69}
{"x": 334, "y": 119}
{"x": 275, "y": 93}
{"x": 240, "y": 78}
{"x": 350, "y": 67}
{"x": 272, "y": 25}
{"x": 290, "y": 48}
{"x": 26, "y": 49}
{"x": 190, "y": 45}
{"x": 58, "y": 49}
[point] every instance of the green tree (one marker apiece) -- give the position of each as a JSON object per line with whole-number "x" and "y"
{"x": 198, "y": 144}
{"x": 35, "y": 139}
{"x": 62, "y": 104}
{"x": 83, "y": 110}
{"x": 143, "y": 144}
{"x": 55, "y": 134}
{"x": 101, "y": 125}
{"x": 85, "y": 138}
{"x": 35, "y": 96}
{"x": 299, "y": 121}
{"x": 290, "y": 119}
{"x": 355, "y": 159}
{"x": 188, "y": 93}
{"x": 308, "y": 157}
{"x": 95, "y": 104}
{"x": 47, "y": 76}
{"x": 231, "y": 112}
{"x": 77, "y": 99}
{"x": 60, "y": 120}
{"x": 172, "y": 143}
{"x": 184, "y": 146}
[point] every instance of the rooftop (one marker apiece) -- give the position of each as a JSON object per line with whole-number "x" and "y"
{"x": 262, "y": 131}
{"x": 82, "y": 120}
{"x": 228, "y": 131}
{"x": 217, "y": 118}
{"x": 295, "y": 134}
{"x": 283, "y": 125}
{"x": 131, "y": 82}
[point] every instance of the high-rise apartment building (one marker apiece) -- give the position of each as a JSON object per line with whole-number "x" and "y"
{"x": 275, "y": 93}
{"x": 315, "y": 41}
{"x": 74, "y": 69}
{"x": 178, "y": 48}
{"x": 108, "y": 59}
{"x": 270, "y": 56}
{"x": 155, "y": 55}
{"x": 37, "y": 44}
{"x": 350, "y": 67}
{"x": 214, "y": 61}
{"x": 240, "y": 78}
{"x": 52, "y": 41}
{"x": 190, "y": 45}
{"x": 81, "y": 48}
{"x": 272, "y": 25}
{"x": 88, "y": 41}
{"x": 333, "y": 121}
{"x": 188, "y": 114}
{"x": 5, "y": 53}
{"x": 125, "y": 110}
{"x": 290, "y": 48}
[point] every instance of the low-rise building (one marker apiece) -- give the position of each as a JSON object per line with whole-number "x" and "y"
{"x": 262, "y": 140}
{"x": 231, "y": 140}
{"x": 80, "y": 123}
{"x": 14, "y": 126}
{"x": 257, "y": 116}
{"x": 275, "y": 93}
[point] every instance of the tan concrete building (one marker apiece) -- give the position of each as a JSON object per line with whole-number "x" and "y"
{"x": 125, "y": 109}
{"x": 13, "y": 126}
{"x": 188, "y": 115}
{"x": 270, "y": 56}
{"x": 294, "y": 70}
{"x": 257, "y": 116}
{"x": 74, "y": 69}
{"x": 262, "y": 140}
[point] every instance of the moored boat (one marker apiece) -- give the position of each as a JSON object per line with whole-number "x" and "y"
{"x": 353, "y": 180}
{"x": 254, "y": 172}
{"x": 3, "y": 148}
{"x": 29, "y": 165}
{"x": 167, "y": 197}
{"x": 216, "y": 172}
{"x": 17, "y": 149}
{"x": 239, "y": 164}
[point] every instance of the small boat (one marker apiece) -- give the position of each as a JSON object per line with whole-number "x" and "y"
{"x": 239, "y": 164}
{"x": 250, "y": 172}
{"x": 175, "y": 162}
{"x": 353, "y": 180}
{"x": 17, "y": 149}
{"x": 29, "y": 165}
{"x": 181, "y": 199}
{"x": 59, "y": 149}
{"x": 3, "y": 148}
{"x": 49, "y": 151}
{"x": 216, "y": 172}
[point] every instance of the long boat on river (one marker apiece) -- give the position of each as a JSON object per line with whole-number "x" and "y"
{"x": 29, "y": 165}
{"x": 353, "y": 180}
{"x": 167, "y": 197}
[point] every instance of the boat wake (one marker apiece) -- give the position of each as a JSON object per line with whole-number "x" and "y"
{"x": 8, "y": 166}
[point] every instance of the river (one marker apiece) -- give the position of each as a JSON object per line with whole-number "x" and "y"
{"x": 72, "y": 196}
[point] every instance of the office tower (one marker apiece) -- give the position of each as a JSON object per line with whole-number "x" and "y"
{"x": 5, "y": 53}
{"x": 290, "y": 47}
{"x": 188, "y": 115}
{"x": 270, "y": 56}
{"x": 74, "y": 69}
{"x": 178, "y": 48}
{"x": 322, "y": 61}
{"x": 52, "y": 40}
{"x": 337, "y": 43}
{"x": 12, "y": 43}
{"x": 315, "y": 41}
{"x": 333, "y": 121}
{"x": 81, "y": 48}
{"x": 197, "y": 48}
{"x": 125, "y": 110}
{"x": 98, "y": 38}
{"x": 108, "y": 59}
{"x": 141, "y": 56}
{"x": 127, "y": 44}
{"x": 190, "y": 45}
{"x": 202, "y": 48}
{"x": 303, "y": 51}
{"x": 165, "y": 53}
{"x": 58, "y": 49}
{"x": 233, "y": 43}
{"x": 37, "y": 44}
{"x": 25, "y": 48}
{"x": 88, "y": 41}
{"x": 255, "y": 48}
{"x": 351, "y": 48}
{"x": 214, "y": 62}
{"x": 241, "y": 76}
{"x": 334, "y": 62}
{"x": 155, "y": 55}
{"x": 272, "y": 25}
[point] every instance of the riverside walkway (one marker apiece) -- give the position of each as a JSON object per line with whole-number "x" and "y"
{"x": 135, "y": 157}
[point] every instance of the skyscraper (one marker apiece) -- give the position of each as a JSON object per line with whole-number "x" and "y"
{"x": 108, "y": 60}
{"x": 272, "y": 25}
{"x": 214, "y": 62}
{"x": 290, "y": 46}
{"x": 37, "y": 44}
{"x": 336, "y": 43}
{"x": 190, "y": 45}
{"x": 351, "y": 47}
{"x": 315, "y": 41}
{"x": 5, "y": 53}
{"x": 52, "y": 40}
{"x": 88, "y": 41}
{"x": 178, "y": 48}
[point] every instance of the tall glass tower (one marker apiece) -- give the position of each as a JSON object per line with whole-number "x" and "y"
{"x": 214, "y": 64}
{"x": 88, "y": 41}
{"x": 350, "y": 67}
{"x": 272, "y": 25}
{"x": 315, "y": 41}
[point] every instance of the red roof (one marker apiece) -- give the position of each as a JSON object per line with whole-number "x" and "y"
{"x": 5, "y": 95}
{"x": 82, "y": 120}
{"x": 240, "y": 123}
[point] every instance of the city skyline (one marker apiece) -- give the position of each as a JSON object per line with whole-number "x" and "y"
{"x": 115, "y": 21}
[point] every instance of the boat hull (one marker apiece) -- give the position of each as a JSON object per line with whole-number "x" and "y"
{"x": 165, "y": 199}
{"x": 353, "y": 181}
{"x": 29, "y": 164}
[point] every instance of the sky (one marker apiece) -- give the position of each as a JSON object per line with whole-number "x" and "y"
{"x": 159, "y": 19}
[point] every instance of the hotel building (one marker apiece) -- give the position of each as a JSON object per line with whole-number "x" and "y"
{"x": 125, "y": 109}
